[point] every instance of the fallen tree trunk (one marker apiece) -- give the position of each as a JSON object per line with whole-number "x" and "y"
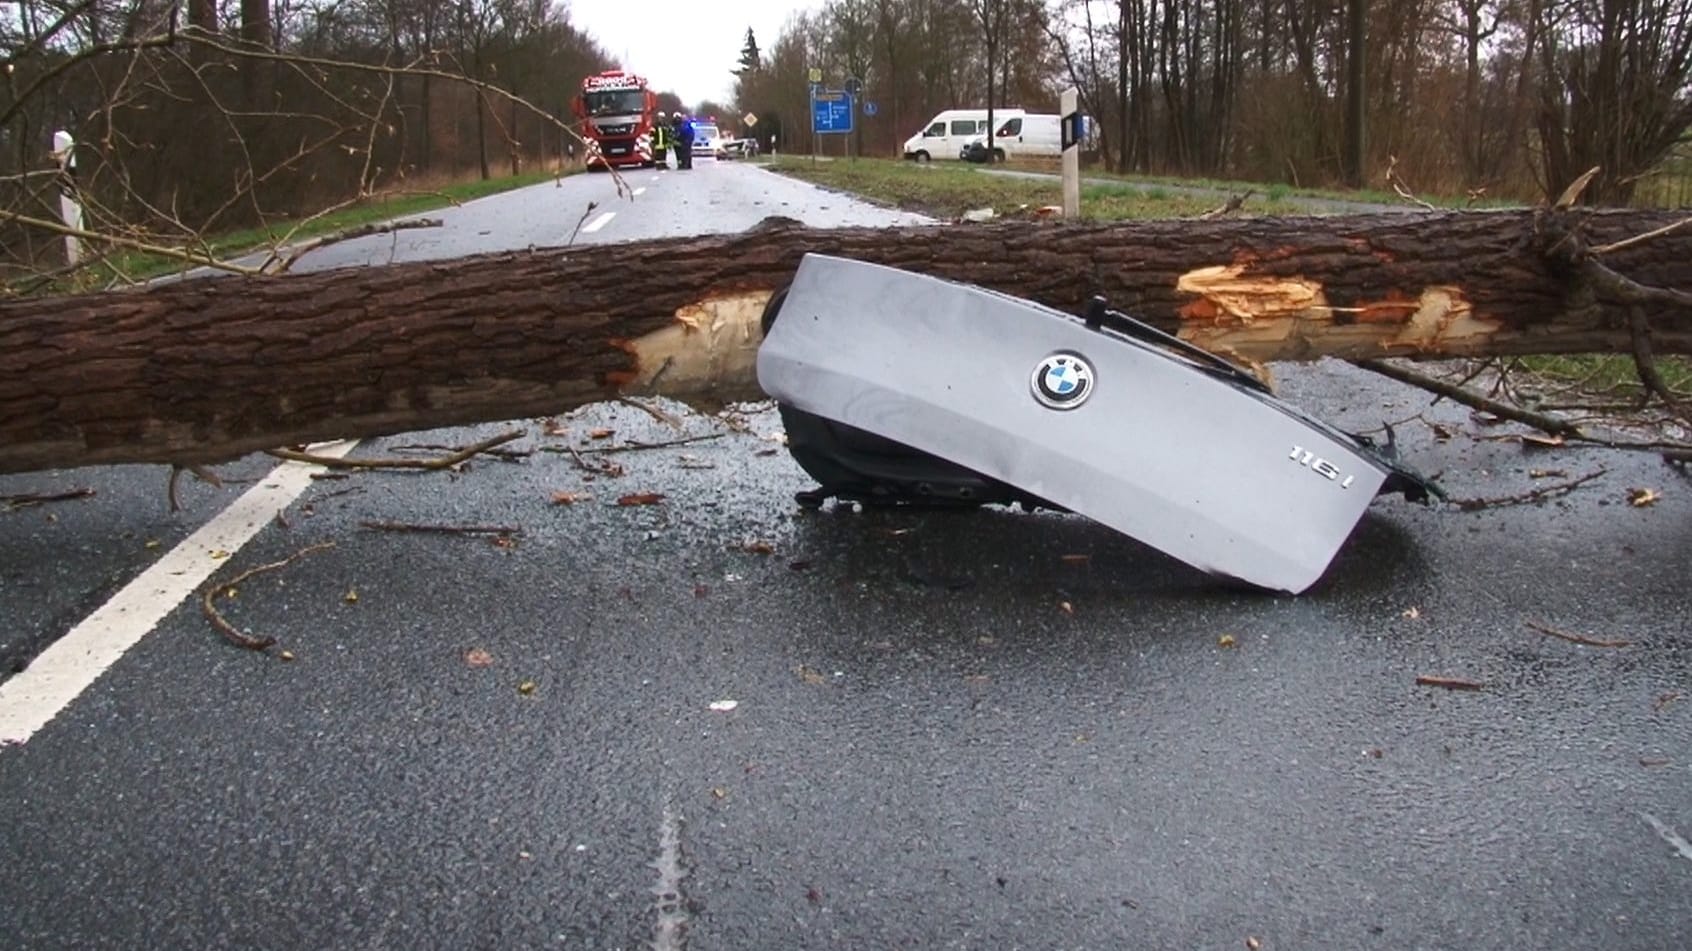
{"x": 205, "y": 370}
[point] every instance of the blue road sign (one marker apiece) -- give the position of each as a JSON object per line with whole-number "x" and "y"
{"x": 869, "y": 108}
{"x": 831, "y": 111}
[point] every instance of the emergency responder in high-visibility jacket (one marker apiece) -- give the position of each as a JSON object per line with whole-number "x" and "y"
{"x": 661, "y": 141}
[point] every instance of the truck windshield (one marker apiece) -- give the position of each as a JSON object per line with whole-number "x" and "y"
{"x": 615, "y": 102}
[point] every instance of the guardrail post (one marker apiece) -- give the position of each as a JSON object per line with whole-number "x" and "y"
{"x": 64, "y": 152}
{"x": 1070, "y": 107}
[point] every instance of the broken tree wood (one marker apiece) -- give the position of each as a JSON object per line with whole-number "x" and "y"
{"x": 206, "y": 370}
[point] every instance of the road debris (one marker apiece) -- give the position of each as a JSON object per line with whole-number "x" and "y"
{"x": 476, "y": 657}
{"x": 1639, "y": 498}
{"x": 1536, "y": 495}
{"x": 440, "y": 529}
{"x": 1449, "y": 683}
{"x": 238, "y": 638}
{"x": 11, "y": 503}
{"x": 443, "y": 462}
{"x": 640, "y": 498}
{"x": 1549, "y": 631}
{"x": 723, "y": 706}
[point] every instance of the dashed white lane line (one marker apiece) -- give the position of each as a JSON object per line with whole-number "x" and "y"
{"x": 640, "y": 191}
{"x": 64, "y": 670}
{"x": 1667, "y": 833}
{"x": 669, "y": 932}
{"x": 598, "y": 223}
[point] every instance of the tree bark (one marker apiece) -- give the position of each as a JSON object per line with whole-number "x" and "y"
{"x": 205, "y": 370}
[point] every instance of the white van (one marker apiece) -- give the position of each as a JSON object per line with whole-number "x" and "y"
{"x": 948, "y": 132}
{"x": 1029, "y": 135}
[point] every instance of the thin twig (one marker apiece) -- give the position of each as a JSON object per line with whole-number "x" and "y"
{"x": 362, "y": 231}
{"x": 26, "y": 499}
{"x": 1638, "y": 238}
{"x": 1449, "y": 683}
{"x": 441, "y": 529}
{"x": 637, "y": 446}
{"x": 444, "y": 462}
{"x": 1573, "y": 638}
{"x": 222, "y": 624}
{"x": 1537, "y": 495}
{"x": 576, "y": 230}
{"x": 200, "y": 472}
{"x": 1540, "y": 421}
{"x": 652, "y": 411}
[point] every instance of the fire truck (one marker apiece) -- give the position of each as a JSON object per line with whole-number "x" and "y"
{"x": 615, "y": 109}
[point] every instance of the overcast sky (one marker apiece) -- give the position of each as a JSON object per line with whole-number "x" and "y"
{"x": 688, "y": 47}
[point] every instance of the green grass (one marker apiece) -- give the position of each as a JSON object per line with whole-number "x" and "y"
{"x": 948, "y": 189}
{"x": 139, "y": 265}
{"x": 1609, "y": 373}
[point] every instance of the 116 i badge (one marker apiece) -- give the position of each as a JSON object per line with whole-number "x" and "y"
{"x": 1063, "y": 380}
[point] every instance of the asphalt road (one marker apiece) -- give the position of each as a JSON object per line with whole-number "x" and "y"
{"x": 722, "y": 721}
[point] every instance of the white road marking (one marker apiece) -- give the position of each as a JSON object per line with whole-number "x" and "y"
{"x": 1668, "y": 835}
{"x": 598, "y": 223}
{"x": 64, "y": 670}
{"x": 669, "y": 933}
{"x": 641, "y": 190}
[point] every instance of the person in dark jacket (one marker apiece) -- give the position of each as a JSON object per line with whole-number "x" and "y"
{"x": 684, "y": 140}
{"x": 661, "y": 141}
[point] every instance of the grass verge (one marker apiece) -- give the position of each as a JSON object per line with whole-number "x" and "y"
{"x": 948, "y": 189}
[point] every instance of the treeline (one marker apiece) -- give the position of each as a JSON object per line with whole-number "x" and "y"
{"x": 1517, "y": 97}
{"x": 209, "y": 116}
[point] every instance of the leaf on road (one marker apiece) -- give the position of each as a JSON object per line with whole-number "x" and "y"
{"x": 1412, "y": 612}
{"x": 701, "y": 590}
{"x": 1533, "y": 441}
{"x": 286, "y": 655}
{"x": 1066, "y": 608}
{"x": 351, "y": 597}
{"x": 151, "y": 543}
{"x": 476, "y": 657}
{"x": 526, "y": 688}
{"x": 1548, "y": 473}
{"x": 220, "y": 553}
{"x": 601, "y": 433}
{"x": 641, "y": 498}
{"x": 553, "y": 427}
{"x": 811, "y": 675}
{"x": 1639, "y": 498}
{"x": 1075, "y": 559}
{"x": 569, "y": 498}
{"x": 718, "y": 792}
{"x": 756, "y": 546}
{"x": 724, "y": 706}
{"x": 1227, "y": 640}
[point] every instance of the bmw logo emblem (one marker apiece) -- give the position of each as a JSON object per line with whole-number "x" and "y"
{"x": 1063, "y": 381}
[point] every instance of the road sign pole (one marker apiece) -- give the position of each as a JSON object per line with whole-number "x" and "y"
{"x": 1071, "y": 109}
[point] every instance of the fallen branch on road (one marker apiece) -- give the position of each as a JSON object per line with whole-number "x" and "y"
{"x": 222, "y": 624}
{"x": 1535, "y": 495}
{"x": 1573, "y": 638}
{"x": 441, "y": 529}
{"x": 14, "y": 502}
{"x": 444, "y": 462}
{"x": 1448, "y": 683}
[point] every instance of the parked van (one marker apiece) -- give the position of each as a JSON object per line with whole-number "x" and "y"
{"x": 1029, "y": 135}
{"x": 945, "y": 135}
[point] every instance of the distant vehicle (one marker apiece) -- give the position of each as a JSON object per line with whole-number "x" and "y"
{"x": 616, "y": 112}
{"x": 1030, "y": 135}
{"x": 707, "y": 140}
{"x": 948, "y": 132}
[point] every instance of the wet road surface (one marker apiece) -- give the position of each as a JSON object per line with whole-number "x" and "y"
{"x": 723, "y": 721}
